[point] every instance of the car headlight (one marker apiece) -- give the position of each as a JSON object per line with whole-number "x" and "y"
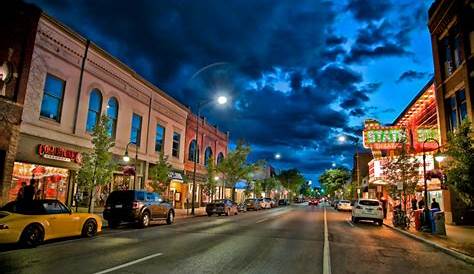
{"x": 3, "y": 226}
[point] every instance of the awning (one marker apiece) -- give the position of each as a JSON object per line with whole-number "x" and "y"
{"x": 175, "y": 176}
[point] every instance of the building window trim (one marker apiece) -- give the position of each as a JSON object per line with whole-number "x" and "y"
{"x": 136, "y": 129}
{"x": 113, "y": 121}
{"x": 163, "y": 135}
{"x": 92, "y": 111}
{"x": 176, "y": 144}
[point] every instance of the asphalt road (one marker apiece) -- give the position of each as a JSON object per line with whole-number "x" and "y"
{"x": 282, "y": 240}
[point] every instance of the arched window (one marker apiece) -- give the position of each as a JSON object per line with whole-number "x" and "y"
{"x": 93, "y": 114}
{"x": 112, "y": 113}
{"x": 207, "y": 155}
{"x": 220, "y": 157}
{"x": 192, "y": 151}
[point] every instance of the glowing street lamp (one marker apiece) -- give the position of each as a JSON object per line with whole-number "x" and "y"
{"x": 278, "y": 156}
{"x": 221, "y": 100}
{"x": 341, "y": 138}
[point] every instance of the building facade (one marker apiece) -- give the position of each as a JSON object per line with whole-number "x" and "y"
{"x": 452, "y": 38}
{"x": 19, "y": 23}
{"x": 210, "y": 144}
{"x": 70, "y": 84}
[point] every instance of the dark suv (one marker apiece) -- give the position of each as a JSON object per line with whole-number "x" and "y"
{"x": 136, "y": 206}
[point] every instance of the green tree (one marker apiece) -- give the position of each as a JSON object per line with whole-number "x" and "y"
{"x": 209, "y": 187}
{"x": 402, "y": 169}
{"x": 334, "y": 180}
{"x": 460, "y": 166}
{"x": 291, "y": 179}
{"x": 159, "y": 175}
{"x": 97, "y": 166}
{"x": 268, "y": 184}
{"x": 234, "y": 167}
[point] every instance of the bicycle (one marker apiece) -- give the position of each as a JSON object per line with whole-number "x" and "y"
{"x": 400, "y": 219}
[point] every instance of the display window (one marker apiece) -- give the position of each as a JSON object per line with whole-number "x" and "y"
{"x": 51, "y": 182}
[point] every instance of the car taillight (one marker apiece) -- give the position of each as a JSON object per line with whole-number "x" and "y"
{"x": 108, "y": 207}
{"x": 136, "y": 204}
{"x": 3, "y": 226}
{"x": 358, "y": 207}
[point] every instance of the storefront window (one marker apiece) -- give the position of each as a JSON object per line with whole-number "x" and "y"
{"x": 52, "y": 182}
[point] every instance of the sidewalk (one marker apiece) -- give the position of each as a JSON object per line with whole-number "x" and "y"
{"x": 183, "y": 213}
{"x": 459, "y": 239}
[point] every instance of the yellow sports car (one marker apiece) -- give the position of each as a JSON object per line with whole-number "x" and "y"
{"x": 31, "y": 223}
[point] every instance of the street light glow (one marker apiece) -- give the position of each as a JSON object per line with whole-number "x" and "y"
{"x": 221, "y": 100}
{"x": 439, "y": 158}
{"x": 216, "y": 178}
{"x": 341, "y": 138}
{"x": 333, "y": 164}
{"x": 126, "y": 158}
{"x": 278, "y": 156}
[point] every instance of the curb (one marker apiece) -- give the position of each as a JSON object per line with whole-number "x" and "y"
{"x": 458, "y": 255}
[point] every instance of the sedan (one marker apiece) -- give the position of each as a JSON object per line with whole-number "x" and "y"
{"x": 220, "y": 207}
{"x": 344, "y": 205}
{"x": 253, "y": 204}
{"x": 30, "y": 223}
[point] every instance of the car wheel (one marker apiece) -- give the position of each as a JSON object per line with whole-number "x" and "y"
{"x": 209, "y": 214}
{"x": 145, "y": 219}
{"x": 380, "y": 222}
{"x": 356, "y": 220}
{"x": 32, "y": 235}
{"x": 170, "y": 218}
{"x": 90, "y": 228}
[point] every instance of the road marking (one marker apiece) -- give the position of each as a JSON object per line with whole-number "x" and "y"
{"x": 326, "y": 253}
{"x": 261, "y": 220}
{"x": 350, "y": 223}
{"x": 129, "y": 263}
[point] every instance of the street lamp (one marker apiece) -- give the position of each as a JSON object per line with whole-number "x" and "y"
{"x": 126, "y": 159}
{"x": 438, "y": 158}
{"x": 333, "y": 165}
{"x": 341, "y": 138}
{"x": 221, "y": 100}
{"x": 278, "y": 156}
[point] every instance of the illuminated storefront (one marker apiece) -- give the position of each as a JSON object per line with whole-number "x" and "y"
{"x": 414, "y": 129}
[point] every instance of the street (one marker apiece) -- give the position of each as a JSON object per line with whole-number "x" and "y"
{"x": 282, "y": 240}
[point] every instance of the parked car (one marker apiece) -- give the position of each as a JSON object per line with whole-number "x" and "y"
{"x": 283, "y": 202}
{"x": 344, "y": 205}
{"x": 367, "y": 209}
{"x": 242, "y": 207}
{"x": 223, "y": 206}
{"x": 271, "y": 202}
{"x": 313, "y": 202}
{"x": 31, "y": 223}
{"x": 334, "y": 203}
{"x": 137, "y": 206}
{"x": 264, "y": 203}
{"x": 253, "y": 204}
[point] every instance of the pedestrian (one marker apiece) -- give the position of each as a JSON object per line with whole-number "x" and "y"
{"x": 20, "y": 195}
{"x": 29, "y": 191}
{"x": 413, "y": 204}
{"x": 435, "y": 204}
{"x": 421, "y": 203}
{"x": 384, "y": 207}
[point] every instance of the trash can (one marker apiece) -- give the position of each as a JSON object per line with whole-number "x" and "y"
{"x": 418, "y": 219}
{"x": 433, "y": 224}
{"x": 439, "y": 228}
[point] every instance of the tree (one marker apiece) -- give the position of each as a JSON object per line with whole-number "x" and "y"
{"x": 291, "y": 179}
{"x": 460, "y": 166}
{"x": 210, "y": 186}
{"x": 234, "y": 167}
{"x": 268, "y": 184}
{"x": 98, "y": 167}
{"x": 334, "y": 180}
{"x": 159, "y": 175}
{"x": 402, "y": 169}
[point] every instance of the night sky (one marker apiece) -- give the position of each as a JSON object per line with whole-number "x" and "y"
{"x": 299, "y": 73}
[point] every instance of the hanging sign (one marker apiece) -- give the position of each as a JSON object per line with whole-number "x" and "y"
{"x": 59, "y": 154}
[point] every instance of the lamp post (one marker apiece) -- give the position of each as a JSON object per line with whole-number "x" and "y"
{"x": 126, "y": 159}
{"x": 438, "y": 158}
{"x": 221, "y": 100}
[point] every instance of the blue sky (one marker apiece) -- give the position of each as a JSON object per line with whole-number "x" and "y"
{"x": 299, "y": 73}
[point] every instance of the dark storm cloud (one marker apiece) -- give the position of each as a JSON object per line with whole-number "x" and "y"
{"x": 412, "y": 75}
{"x": 333, "y": 40}
{"x": 367, "y": 10}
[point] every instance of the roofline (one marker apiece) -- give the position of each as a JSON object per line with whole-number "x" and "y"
{"x": 113, "y": 59}
{"x": 420, "y": 93}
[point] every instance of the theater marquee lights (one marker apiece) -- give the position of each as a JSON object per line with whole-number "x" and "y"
{"x": 379, "y": 137}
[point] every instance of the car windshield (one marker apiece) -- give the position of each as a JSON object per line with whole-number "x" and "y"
{"x": 26, "y": 208}
{"x": 120, "y": 197}
{"x": 369, "y": 203}
{"x": 219, "y": 201}
{"x": 344, "y": 202}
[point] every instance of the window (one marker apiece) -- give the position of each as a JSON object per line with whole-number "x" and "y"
{"x": 176, "y": 141}
{"x": 135, "y": 134}
{"x": 52, "y": 98}
{"x": 112, "y": 113}
{"x": 207, "y": 155}
{"x": 192, "y": 151}
{"x": 54, "y": 207}
{"x": 451, "y": 52}
{"x": 93, "y": 114}
{"x": 220, "y": 158}
{"x": 159, "y": 139}
{"x": 456, "y": 108}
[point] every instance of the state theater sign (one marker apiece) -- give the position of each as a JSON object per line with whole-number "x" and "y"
{"x": 378, "y": 138}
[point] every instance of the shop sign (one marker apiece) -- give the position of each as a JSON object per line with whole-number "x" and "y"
{"x": 423, "y": 134}
{"x": 59, "y": 154}
{"x": 384, "y": 137}
{"x": 173, "y": 175}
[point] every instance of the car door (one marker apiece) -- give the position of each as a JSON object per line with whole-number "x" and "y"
{"x": 62, "y": 223}
{"x": 152, "y": 205}
{"x": 161, "y": 205}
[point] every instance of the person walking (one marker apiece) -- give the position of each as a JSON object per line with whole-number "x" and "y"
{"x": 29, "y": 191}
{"x": 421, "y": 203}
{"x": 20, "y": 195}
{"x": 435, "y": 204}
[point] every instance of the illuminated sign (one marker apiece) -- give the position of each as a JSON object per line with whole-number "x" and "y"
{"x": 59, "y": 154}
{"x": 423, "y": 134}
{"x": 384, "y": 137}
